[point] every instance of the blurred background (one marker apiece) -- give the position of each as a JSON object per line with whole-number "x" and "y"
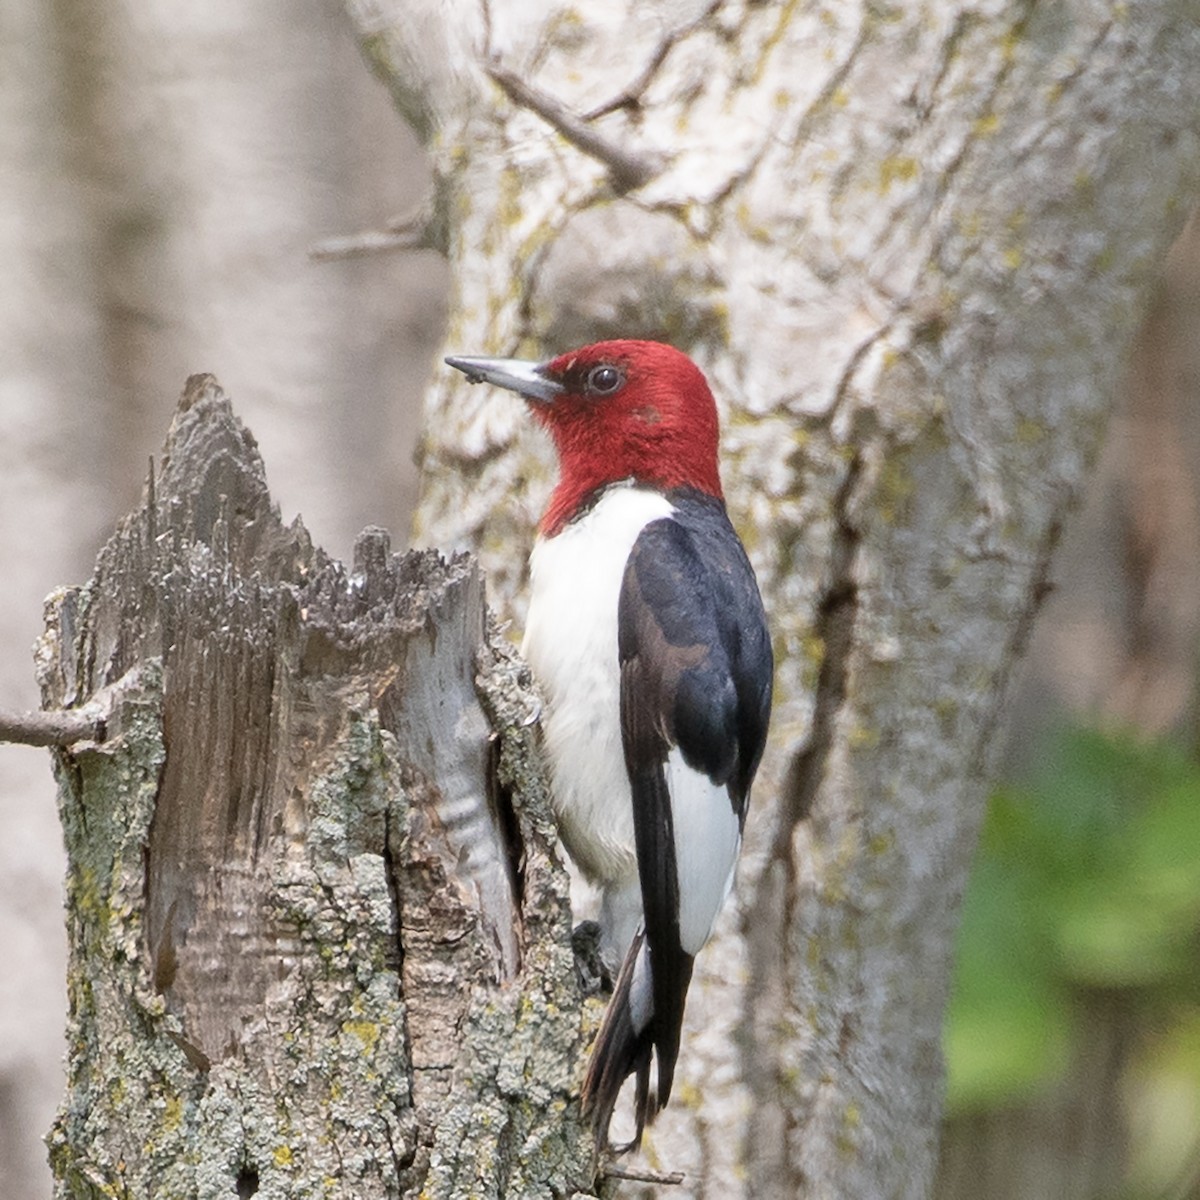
{"x": 165, "y": 170}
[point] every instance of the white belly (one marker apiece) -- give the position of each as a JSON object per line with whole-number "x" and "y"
{"x": 571, "y": 645}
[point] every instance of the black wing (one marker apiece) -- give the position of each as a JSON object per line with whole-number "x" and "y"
{"x": 695, "y": 673}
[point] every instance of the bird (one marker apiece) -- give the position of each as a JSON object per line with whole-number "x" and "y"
{"x": 647, "y": 636}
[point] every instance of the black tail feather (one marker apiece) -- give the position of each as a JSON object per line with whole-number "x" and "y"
{"x": 670, "y": 964}
{"x": 619, "y": 1051}
{"x": 671, "y": 981}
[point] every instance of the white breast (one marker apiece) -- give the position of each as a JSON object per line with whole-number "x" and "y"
{"x": 571, "y": 645}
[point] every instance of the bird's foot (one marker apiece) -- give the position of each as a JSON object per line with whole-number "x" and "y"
{"x": 594, "y": 978}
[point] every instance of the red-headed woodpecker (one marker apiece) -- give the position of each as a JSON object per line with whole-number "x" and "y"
{"x": 647, "y": 635}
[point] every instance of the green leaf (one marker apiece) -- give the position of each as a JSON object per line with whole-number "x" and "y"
{"x": 1004, "y": 1047}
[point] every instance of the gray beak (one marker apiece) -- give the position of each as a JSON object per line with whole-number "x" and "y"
{"x": 515, "y": 374}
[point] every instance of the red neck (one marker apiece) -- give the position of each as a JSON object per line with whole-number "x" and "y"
{"x": 681, "y": 462}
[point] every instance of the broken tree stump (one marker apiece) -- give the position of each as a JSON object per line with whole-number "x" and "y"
{"x": 319, "y": 935}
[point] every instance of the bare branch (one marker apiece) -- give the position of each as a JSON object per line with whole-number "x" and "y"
{"x": 631, "y": 97}
{"x": 59, "y": 727}
{"x": 629, "y": 170}
{"x": 359, "y": 245}
{"x": 417, "y": 230}
{"x": 612, "y": 1171}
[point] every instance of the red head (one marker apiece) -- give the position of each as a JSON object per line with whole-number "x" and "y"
{"x": 616, "y": 410}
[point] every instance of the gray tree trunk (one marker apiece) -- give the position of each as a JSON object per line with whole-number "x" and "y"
{"x": 910, "y": 245}
{"x": 319, "y": 936}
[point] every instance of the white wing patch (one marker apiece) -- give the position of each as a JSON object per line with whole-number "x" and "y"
{"x": 707, "y": 840}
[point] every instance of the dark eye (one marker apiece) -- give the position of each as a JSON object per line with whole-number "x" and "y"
{"x": 604, "y": 380}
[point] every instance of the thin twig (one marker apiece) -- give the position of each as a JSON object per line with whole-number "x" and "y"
{"x": 631, "y": 97}
{"x": 628, "y": 169}
{"x": 642, "y": 1176}
{"x": 57, "y": 727}
{"x": 358, "y": 245}
{"x": 416, "y": 230}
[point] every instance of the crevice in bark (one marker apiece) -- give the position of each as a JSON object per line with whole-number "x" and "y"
{"x": 736, "y": 180}
{"x": 780, "y": 1116}
{"x": 1040, "y": 587}
{"x": 948, "y": 51}
{"x": 508, "y": 825}
{"x": 819, "y": 106}
{"x": 1062, "y": 86}
{"x": 391, "y": 868}
{"x": 836, "y": 617}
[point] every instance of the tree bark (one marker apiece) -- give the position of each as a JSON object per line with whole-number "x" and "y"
{"x": 319, "y": 935}
{"x": 910, "y": 246}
